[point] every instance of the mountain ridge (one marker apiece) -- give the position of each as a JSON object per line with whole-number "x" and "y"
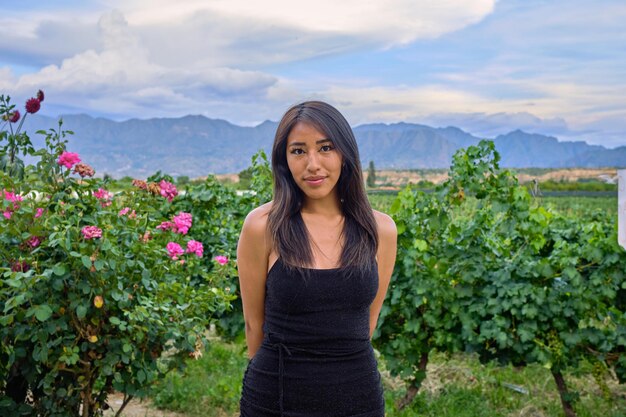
{"x": 195, "y": 145}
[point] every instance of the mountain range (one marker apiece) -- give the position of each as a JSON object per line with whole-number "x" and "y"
{"x": 196, "y": 146}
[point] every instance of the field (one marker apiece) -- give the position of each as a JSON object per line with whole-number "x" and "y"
{"x": 457, "y": 386}
{"x": 100, "y": 296}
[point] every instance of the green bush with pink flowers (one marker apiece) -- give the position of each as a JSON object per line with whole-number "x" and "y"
{"x": 98, "y": 291}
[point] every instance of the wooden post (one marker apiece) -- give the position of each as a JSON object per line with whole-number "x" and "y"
{"x": 621, "y": 207}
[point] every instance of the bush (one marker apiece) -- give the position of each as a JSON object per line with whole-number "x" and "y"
{"x": 98, "y": 291}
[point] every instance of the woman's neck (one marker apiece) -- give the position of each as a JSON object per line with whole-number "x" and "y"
{"x": 328, "y": 207}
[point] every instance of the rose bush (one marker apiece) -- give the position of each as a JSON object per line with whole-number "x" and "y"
{"x": 91, "y": 297}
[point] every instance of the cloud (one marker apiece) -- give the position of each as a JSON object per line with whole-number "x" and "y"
{"x": 389, "y": 21}
{"x": 121, "y": 78}
{"x": 239, "y": 33}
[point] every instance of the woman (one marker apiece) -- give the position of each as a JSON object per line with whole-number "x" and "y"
{"x": 314, "y": 266}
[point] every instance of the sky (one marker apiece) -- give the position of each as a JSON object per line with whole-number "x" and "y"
{"x": 556, "y": 67}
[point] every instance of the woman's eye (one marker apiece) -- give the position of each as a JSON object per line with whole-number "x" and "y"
{"x": 326, "y": 148}
{"x": 297, "y": 151}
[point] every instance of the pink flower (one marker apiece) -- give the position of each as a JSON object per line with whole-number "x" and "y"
{"x": 168, "y": 190}
{"x": 132, "y": 215}
{"x": 193, "y": 246}
{"x": 13, "y": 198}
{"x": 220, "y": 259}
{"x": 103, "y": 195}
{"x": 39, "y": 212}
{"x": 182, "y": 223}
{"x": 68, "y": 159}
{"x": 40, "y": 96}
{"x": 174, "y": 250}
{"x": 32, "y": 105}
{"x": 8, "y": 195}
{"x": 123, "y": 211}
{"x": 91, "y": 232}
{"x": 15, "y": 116}
{"x": 165, "y": 226}
{"x": 33, "y": 241}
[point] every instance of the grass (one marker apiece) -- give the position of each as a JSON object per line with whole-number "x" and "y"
{"x": 210, "y": 386}
{"x": 457, "y": 386}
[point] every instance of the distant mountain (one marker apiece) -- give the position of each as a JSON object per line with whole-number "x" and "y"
{"x": 196, "y": 145}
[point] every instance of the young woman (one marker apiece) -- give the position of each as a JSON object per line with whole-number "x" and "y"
{"x": 314, "y": 266}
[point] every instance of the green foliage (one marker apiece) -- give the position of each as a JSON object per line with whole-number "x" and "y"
{"x": 588, "y": 185}
{"x": 219, "y": 212}
{"x": 481, "y": 269}
{"x": 86, "y": 311}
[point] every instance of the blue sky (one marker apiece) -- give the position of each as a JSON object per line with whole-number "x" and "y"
{"x": 553, "y": 67}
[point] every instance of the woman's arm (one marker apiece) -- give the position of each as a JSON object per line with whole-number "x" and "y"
{"x": 252, "y": 257}
{"x": 386, "y": 256}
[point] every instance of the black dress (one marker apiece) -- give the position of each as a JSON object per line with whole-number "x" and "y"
{"x": 316, "y": 359}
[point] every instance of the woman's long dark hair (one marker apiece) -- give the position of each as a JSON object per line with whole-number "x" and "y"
{"x": 290, "y": 237}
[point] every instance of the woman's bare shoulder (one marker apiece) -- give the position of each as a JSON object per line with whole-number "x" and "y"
{"x": 386, "y": 225}
{"x": 256, "y": 221}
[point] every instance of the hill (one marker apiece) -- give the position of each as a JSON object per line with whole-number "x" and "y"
{"x": 197, "y": 145}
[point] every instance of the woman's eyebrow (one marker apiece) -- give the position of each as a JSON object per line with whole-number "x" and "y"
{"x": 317, "y": 142}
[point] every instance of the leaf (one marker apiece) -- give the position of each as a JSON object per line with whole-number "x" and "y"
{"x": 43, "y": 312}
{"x": 81, "y": 311}
{"x": 420, "y": 245}
{"x": 59, "y": 269}
{"x": 86, "y": 261}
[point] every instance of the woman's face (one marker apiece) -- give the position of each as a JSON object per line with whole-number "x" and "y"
{"x": 314, "y": 162}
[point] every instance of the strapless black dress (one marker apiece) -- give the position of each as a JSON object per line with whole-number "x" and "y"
{"x": 316, "y": 359}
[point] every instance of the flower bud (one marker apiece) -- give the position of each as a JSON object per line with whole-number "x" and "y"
{"x": 98, "y": 301}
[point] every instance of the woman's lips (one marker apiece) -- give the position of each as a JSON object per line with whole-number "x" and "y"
{"x": 314, "y": 180}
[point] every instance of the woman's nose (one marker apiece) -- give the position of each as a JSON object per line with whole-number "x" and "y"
{"x": 313, "y": 163}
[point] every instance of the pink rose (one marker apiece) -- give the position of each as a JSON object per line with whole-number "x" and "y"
{"x": 168, "y": 190}
{"x": 91, "y": 232}
{"x": 103, "y": 195}
{"x": 8, "y": 195}
{"x": 123, "y": 211}
{"x": 34, "y": 241}
{"x": 174, "y": 250}
{"x": 165, "y": 226}
{"x": 182, "y": 223}
{"x": 68, "y": 159}
{"x": 193, "y": 246}
{"x": 220, "y": 259}
{"x": 39, "y": 212}
{"x": 7, "y": 214}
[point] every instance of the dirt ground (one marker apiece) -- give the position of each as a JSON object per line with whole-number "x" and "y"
{"x": 136, "y": 408}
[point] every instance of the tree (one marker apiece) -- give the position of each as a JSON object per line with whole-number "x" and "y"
{"x": 371, "y": 175}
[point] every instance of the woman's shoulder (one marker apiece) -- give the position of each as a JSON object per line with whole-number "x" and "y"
{"x": 386, "y": 225}
{"x": 256, "y": 221}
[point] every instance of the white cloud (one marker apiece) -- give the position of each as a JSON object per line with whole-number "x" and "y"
{"x": 121, "y": 77}
{"x": 396, "y": 21}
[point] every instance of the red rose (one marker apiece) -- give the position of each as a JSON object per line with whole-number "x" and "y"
{"x": 32, "y": 105}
